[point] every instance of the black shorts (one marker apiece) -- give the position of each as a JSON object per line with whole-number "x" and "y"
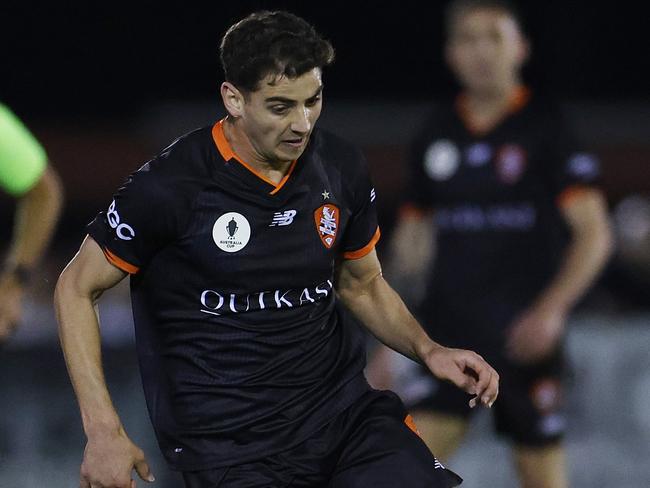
{"x": 529, "y": 409}
{"x": 371, "y": 444}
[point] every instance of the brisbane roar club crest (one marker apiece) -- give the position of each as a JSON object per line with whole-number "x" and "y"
{"x": 326, "y": 218}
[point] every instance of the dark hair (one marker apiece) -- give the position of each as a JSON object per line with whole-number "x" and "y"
{"x": 276, "y": 43}
{"x": 457, "y": 8}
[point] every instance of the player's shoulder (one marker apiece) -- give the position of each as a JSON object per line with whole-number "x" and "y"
{"x": 335, "y": 150}
{"x": 187, "y": 154}
{"x": 177, "y": 170}
{"x": 187, "y": 157}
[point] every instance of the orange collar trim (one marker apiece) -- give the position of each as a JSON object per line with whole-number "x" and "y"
{"x": 227, "y": 153}
{"x": 518, "y": 100}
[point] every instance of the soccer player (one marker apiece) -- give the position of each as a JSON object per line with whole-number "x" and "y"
{"x": 241, "y": 240}
{"x": 522, "y": 232}
{"x": 26, "y": 176}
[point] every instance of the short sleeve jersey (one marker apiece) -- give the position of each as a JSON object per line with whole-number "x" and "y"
{"x": 243, "y": 350}
{"x": 22, "y": 158}
{"x": 496, "y": 199}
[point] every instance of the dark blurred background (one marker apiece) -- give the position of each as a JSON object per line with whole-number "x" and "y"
{"x": 105, "y": 85}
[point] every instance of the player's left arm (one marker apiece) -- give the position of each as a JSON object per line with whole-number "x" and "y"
{"x": 536, "y": 332}
{"x": 364, "y": 291}
{"x": 37, "y": 213}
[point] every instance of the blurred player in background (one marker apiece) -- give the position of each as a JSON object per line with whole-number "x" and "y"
{"x": 240, "y": 239}
{"x": 522, "y": 233}
{"x": 27, "y": 177}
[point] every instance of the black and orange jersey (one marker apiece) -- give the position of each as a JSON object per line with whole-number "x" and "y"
{"x": 497, "y": 200}
{"x": 243, "y": 350}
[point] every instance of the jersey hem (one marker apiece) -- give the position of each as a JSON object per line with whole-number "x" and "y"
{"x": 357, "y": 382}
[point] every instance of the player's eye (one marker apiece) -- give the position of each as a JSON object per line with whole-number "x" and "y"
{"x": 312, "y": 101}
{"x": 279, "y": 109}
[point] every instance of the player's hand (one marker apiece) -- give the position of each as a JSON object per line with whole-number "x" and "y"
{"x": 467, "y": 370}
{"x": 535, "y": 333}
{"x": 11, "y": 298}
{"x": 109, "y": 460}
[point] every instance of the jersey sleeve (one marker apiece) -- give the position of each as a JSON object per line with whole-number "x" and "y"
{"x": 571, "y": 169}
{"x": 362, "y": 232}
{"x": 22, "y": 158}
{"x": 139, "y": 221}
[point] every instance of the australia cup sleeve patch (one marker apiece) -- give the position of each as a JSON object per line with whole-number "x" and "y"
{"x": 326, "y": 218}
{"x": 231, "y": 232}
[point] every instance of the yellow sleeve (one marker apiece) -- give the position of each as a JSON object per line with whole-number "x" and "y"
{"x": 22, "y": 158}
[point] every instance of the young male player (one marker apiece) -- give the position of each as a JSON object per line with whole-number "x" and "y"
{"x": 522, "y": 232}
{"x": 241, "y": 239}
{"x": 26, "y": 176}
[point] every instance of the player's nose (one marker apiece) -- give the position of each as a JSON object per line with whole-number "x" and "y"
{"x": 301, "y": 123}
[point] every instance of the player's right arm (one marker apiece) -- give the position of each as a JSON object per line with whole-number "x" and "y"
{"x": 412, "y": 245}
{"x": 411, "y": 250}
{"x": 110, "y": 456}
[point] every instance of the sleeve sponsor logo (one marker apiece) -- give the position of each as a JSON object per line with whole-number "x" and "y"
{"x": 326, "y": 218}
{"x": 231, "y": 232}
{"x": 122, "y": 230}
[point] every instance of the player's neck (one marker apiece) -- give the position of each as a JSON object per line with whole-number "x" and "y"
{"x": 482, "y": 110}
{"x": 246, "y": 152}
{"x": 491, "y": 101}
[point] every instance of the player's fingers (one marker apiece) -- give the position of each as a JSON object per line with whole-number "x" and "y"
{"x": 143, "y": 470}
{"x": 486, "y": 377}
{"x": 492, "y": 390}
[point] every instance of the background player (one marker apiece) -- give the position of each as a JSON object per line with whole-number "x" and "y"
{"x": 26, "y": 176}
{"x": 252, "y": 373}
{"x": 505, "y": 180}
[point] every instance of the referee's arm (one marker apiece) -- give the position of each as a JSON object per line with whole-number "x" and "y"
{"x": 37, "y": 212}
{"x": 362, "y": 288}
{"x": 110, "y": 456}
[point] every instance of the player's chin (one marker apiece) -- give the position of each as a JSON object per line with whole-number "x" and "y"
{"x": 291, "y": 151}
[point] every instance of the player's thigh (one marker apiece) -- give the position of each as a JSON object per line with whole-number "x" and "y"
{"x": 441, "y": 415}
{"x": 383, "y": 451}
{"x": 541, "y": 467}
{"x": 442, "y": 432}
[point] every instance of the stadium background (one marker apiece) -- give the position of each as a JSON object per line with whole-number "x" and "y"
{"x": 104, "y": 86}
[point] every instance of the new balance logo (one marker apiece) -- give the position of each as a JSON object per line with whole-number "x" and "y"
{"x": 283, "y": 218}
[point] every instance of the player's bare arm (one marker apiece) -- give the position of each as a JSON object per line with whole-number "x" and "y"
{"x": 362, "y": 288}
{"x": 110, "y": 456}
{"x": 413, "y": 244}
{"x": 536, "y": 332}
{"x": 37, "y": 212}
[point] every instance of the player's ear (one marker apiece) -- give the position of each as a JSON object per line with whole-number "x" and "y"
{"x": 524, "y": 50}
{"x": 233, "y": 99}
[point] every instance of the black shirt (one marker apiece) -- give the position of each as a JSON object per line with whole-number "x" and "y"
{"x": 497, "y": 200}
{"x": 243, "y": 350}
